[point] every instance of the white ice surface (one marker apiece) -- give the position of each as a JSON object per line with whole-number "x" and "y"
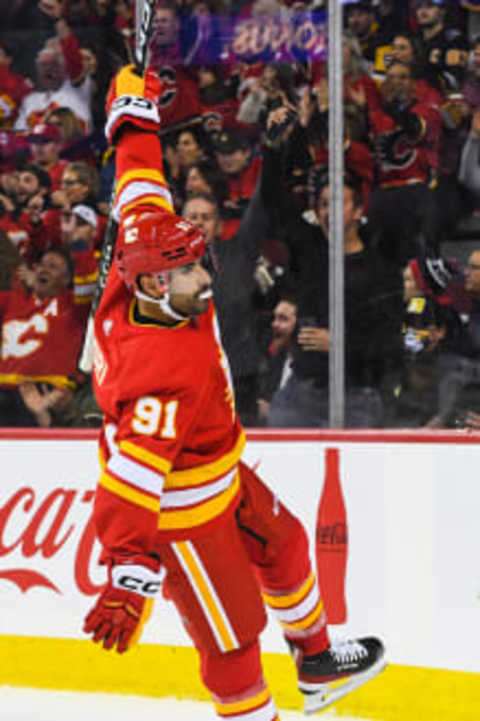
{"x": 22, "y": 704}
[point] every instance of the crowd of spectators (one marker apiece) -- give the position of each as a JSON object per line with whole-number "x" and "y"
{"x": 245, "y": 111}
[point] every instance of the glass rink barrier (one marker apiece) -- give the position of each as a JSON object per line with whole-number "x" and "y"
{"x": 393, "y": 524}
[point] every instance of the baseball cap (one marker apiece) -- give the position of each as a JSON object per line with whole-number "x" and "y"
{"x": 228, "y": 141}
{"x": 43, "y": 133}
{"x": 86, "y": 214}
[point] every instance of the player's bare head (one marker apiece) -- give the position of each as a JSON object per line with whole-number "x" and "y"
{"x": 160, "y": 259}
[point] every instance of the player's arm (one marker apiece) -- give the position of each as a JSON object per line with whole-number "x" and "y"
{"x": 126, "y": 511}
{"x": 132, "y": 126}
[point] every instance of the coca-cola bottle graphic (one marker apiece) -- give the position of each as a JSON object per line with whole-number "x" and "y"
{"x": 332, "y": 541}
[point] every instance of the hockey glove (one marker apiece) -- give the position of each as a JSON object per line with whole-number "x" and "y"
{"x": 126, "y": 602}
{"x": 132, "y": 99}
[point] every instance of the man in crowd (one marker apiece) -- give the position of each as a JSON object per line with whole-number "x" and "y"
{"x": 406, "y": 134}
{"x": 444, "y": 48}
{"x": 373, "y": 306}
{"x": 276, "y": 365}
{"x": 79, "y": 229}
{"x": 45, "y": 145}
{"x": 234, "y": 156}
{"x": 236, "y": 309}
{"x": 42, "y": 333}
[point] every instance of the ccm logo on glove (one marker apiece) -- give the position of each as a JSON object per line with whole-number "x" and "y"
{"x": 137, "y": 579}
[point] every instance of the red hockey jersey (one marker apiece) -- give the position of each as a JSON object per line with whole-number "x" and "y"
{"x": 41, "y": 339}
{"x": 402, "y": 160}
{"x": 171, "y": 439}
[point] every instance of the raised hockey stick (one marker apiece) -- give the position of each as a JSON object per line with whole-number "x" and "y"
{"x": 143, "y": 25}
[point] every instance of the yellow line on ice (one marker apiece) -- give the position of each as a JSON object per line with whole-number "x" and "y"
{"x": 400, "y": 693}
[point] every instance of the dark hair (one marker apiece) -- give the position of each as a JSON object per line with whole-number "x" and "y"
{"x": 418, "y": 64}
{"x": 63, "y": 253}
{"x": 288, "y": 296}
{"x": 208, "y": 197}
{"x": 41, "y": 175}
{"x": 214, "y": 176}
{"x": 318, "y": 179}
{"x": 198, "y": 133}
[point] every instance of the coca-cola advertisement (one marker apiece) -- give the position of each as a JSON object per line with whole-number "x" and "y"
{"x": 48, "y": 551}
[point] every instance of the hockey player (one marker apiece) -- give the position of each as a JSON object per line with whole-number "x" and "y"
{"x": 175, "y": 506}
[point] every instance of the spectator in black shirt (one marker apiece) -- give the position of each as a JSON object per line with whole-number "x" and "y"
{"x": 373, "y": 307}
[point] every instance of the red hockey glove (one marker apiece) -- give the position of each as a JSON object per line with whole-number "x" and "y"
{"x": 126, "y": 602}
{"x": 132, "y": 99}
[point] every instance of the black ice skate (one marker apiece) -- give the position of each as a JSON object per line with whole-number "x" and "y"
{"x": 346, "y": 665}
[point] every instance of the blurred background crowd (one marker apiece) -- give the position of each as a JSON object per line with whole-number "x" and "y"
{"x": 245, "y": 112}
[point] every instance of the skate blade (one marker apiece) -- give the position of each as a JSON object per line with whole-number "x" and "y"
{"x": 319, "y": 696}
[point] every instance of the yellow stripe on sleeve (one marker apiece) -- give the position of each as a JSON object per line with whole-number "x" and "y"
{"x": 129, "y": 494}
{"x": 141, "y": 174}
{"x": 285, "y": 601}
{"x": 142, "y": 454}
{"x": 192, "y": 517}
{"x": 148, "y": 200}
{"x": 200, "y": 474}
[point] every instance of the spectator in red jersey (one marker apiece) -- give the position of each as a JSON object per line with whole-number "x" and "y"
{"x": 217, "y": 93}
{"x": 79, "y": 229}
{"x": 13, "y": 87}
{"x": 306, "y": 149}
{"x": 406, "y": 134}
{"x": 42, "y": 332}
{"x": 235, "y": 157}
{"x": 179, "y": 99}
{"x": 45, "y": 145}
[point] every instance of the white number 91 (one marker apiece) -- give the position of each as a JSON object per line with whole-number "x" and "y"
{"x": 150, "y": 414}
